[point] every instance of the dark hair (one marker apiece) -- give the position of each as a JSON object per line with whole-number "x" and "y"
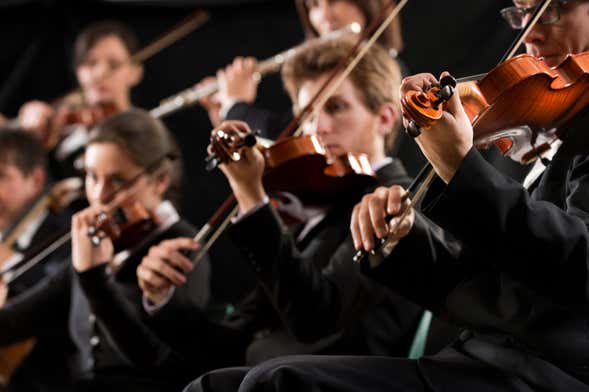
{"x": 98, "y": 30}
{"x": 146, "y": 141}
{"x": 21, "y": 149}
{"x": 377, "y": 77}
{"x": 390, "y": 39}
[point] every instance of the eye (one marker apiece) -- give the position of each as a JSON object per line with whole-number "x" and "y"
{"x": 335, "y": 106}
{"x": 90, "y": 176}
{"x": 115, "y": 64}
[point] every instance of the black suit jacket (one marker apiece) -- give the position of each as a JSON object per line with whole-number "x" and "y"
{"x": 516, "y": 277}
{"x": 115, "y": 344}
{"x": 317, "y": 292}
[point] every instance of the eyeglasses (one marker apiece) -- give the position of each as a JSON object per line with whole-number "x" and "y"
{"x": 517, "y": 17}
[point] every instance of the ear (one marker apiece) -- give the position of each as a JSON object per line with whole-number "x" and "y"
{"x": 135, "y": 74}
{"x": 388, "y": 117}
{"x": 39, "y": 177}
{"x": 162, "y": 183}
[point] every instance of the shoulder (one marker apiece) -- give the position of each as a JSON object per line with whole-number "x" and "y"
{"x": 182, "y": 228}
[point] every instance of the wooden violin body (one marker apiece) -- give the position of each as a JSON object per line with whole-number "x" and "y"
{"x": 518, "y": 103}
{"x": 299, "y": 165}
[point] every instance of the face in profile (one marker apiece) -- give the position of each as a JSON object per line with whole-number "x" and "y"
{"x": 17, "y": 190}
{"x": 106, "y": 74}
{"x": 330, "y": 15}
{"x": 568, "y": 34}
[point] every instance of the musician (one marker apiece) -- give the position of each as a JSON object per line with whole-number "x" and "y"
{"x": 23, "y": 180}
{"x": 318, "y": 300}
{"x": 96, "y": 295}
{"x": 238, "y": 86}
{"x": 518, "y": 280}
{"x": 105, "y": 74}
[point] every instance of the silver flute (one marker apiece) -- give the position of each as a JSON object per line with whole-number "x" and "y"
{"x": 191, "y": 95}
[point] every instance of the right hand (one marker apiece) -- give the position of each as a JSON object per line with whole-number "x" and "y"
{"x": 210, "y": 102}
{"x": 165, "y": 267}
{"x": 369, "y": 217}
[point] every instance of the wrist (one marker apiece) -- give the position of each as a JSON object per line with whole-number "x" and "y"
{"x": 249, "y": 195}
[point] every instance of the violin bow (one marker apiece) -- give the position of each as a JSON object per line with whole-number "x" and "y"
{"x": 427, "y": 174}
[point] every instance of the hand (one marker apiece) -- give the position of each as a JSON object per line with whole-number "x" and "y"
{"x": 165, "y": 267}
{"x": 3, "y": 293}
{"x": 245, "y": 175}
{"x": 211, "y": 102}
{"x": 448, "y": 141}
{"x": 369, "y": 217}
{"x": 238, "y": 82}
{"x": 36, "y": 116}
{"x": 84, "y": 254}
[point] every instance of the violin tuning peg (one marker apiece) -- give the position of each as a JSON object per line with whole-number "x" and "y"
{"x": 211, "y": 163}
{"x": 446, "y": 92}
{"x": 448, "y": 80}
{"x": 413, "y": 129}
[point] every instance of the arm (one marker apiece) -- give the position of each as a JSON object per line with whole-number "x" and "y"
{"x": 28, "y": 314}
{"x": 537, "y": 242}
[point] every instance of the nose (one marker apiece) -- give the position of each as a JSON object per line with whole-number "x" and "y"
{"x": 325, "y": 10}
{"x": 100, "y": 192}
{"x": 536, "y": 35}
{"x": 99, "y": 69}
{"x": 322, "y": 125}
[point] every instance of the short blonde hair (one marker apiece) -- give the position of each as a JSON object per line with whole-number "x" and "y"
{"x": 377, "y": 77}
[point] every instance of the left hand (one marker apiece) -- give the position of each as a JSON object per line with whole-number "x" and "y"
{"x": 84, "y": 254}
{"x": 448, "y": 141}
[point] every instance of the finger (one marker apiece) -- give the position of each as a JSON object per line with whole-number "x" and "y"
{"x": 355, "y": 227}
{"x": 395, "y": 199}
{"x": 377, "y": 212}
{"x": 162, "y": 269}
{"x": 149, "y": 277}
{"x": 454, "y": 105}
{"x": 418, "y": 82}
{"x": 365, "y": 225}
{"x": 172, "y": 256}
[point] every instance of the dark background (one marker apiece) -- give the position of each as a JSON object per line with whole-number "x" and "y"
{"x": 464, "y": 37}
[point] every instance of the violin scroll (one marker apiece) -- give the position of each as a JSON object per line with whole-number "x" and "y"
{"x": 423, "y": 108}
{"x": 226, "y": 144}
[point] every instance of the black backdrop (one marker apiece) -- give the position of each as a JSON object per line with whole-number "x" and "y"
{"x": 462, "y": 36}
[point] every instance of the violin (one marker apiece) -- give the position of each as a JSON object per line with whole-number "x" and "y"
{"x": 299, "y": 165}
{"x": 518, "y": 106}
{"x": 86, "y": 115}
{"x": 126, "y": 225}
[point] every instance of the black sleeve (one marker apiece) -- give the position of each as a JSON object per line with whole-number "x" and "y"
{"x": 312, "y": 303}
{"x": 29, "y": 314}
{"x": 134, "y": 340}
{"x": 536, "y": 242}
{"x": 268, "y": 122}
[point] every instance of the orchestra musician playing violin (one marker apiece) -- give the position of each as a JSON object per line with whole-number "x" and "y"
{"x": 105, "y": 74}
{"x": 131, "y": 165}
{"x": 23, "y": 182}
{"x": 515, "y": 276}
{"x": 319, "y": 302}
